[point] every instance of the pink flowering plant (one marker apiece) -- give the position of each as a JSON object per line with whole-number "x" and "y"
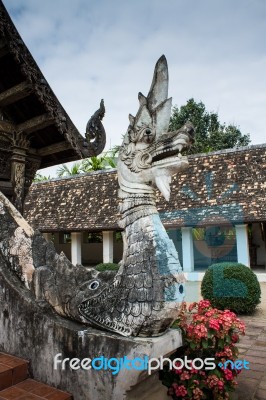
{"x": 207, "y": 333}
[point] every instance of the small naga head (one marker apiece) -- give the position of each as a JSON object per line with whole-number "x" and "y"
{"x": 65, "y": 286}
{"x": 150, "y": 154}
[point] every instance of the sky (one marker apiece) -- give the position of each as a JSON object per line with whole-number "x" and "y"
{"x": 89, "y": 50}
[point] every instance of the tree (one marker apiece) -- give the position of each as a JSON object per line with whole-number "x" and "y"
{"x": 210, "y": 134}
{"x": 98, "y": 163}
{"x": 106, "y": 161}
{"x": 64, "y": 170}
{"x": 112, "y": 155}
{"x": 40, "y": 178}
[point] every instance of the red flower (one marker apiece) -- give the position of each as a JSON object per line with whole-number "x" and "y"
{"x": 203, "y": 304}
{"x": 184, "y": 376}
{"x": 200, "y": 331}
{"x": 214, "y": 324}
{"x": 179, "y": 390}
{"x": 197, "y": 394}
{"x": 228, "y": 375}
{"x": 220, "y": 385}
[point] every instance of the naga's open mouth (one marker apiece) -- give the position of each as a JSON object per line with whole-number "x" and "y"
{"x": 170, "y": 147}
{"x": 91, "y": 310}
{"x": 101, "y": 322}
{"x": 167, "y": 153}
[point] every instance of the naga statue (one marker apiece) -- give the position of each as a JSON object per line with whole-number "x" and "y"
{"x": 143, "y": 298}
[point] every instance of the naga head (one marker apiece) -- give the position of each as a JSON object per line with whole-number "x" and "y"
{"x": 65, "y": 286}
{"x": 150, "y": 154}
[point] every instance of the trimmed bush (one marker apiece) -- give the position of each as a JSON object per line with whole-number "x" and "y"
{"x": 231, "y": 286}
{"x": 107, "y": 267}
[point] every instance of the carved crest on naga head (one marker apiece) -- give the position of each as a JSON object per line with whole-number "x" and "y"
{"x": 150, "y": 155}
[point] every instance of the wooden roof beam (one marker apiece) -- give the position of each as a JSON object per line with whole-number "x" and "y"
{"x": 15, "y": 93}
{"x": 52, "y": 149}
{"x": 36, "y": 123}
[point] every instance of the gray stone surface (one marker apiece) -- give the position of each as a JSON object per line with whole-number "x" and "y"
{"x": 32, "y": 330}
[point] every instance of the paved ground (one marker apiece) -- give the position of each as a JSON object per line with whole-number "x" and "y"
{"x": 252, "y": 347}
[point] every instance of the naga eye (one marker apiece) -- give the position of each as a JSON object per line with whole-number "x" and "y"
{"x": 94, "y": 285}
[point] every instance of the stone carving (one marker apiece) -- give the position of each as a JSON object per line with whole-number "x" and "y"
{"x": 31, "y": 166}
{"x": 18, "y": 172}
{"x": 15, "y": 242}
{"x": 95, "y": 132}
{"x": 20, "y": 245}
{"x": 49, "y": 276}
{"x": 20, "y": 140}
{"x": 149, "y": 154}
{"x": 143, "y": 298}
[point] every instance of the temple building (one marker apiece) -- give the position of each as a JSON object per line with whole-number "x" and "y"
{"x": 216, "y": 212}
{"x": 35, "y": 130}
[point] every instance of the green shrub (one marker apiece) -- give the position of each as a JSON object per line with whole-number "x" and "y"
{"x": 107, "y": 267}
{"x": 231, "y": 286}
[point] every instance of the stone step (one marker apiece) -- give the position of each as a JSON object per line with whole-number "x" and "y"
{"x": 15, "y": 383}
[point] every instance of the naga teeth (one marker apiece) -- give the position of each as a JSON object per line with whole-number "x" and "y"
{"x": 114, "y": 325}
{"x": 168, "y": 159}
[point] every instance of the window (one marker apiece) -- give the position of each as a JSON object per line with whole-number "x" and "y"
{"x": 64, "y": 237}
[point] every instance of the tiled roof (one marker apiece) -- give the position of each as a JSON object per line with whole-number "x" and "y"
{"x": 224, "y": 186}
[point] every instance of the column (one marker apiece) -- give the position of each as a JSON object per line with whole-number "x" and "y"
{"x": 76, "y": 247}
{"x": 187, "y": 249}
{"x": 20, "y": 147}
{"x": 242, "y": 244}
{"x": 108, "y": 246}
{"x": 18, "y": 160}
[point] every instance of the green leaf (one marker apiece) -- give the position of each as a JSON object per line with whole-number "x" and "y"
{"x": 227, "y": 339}
{"x": 218, "y": 373}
